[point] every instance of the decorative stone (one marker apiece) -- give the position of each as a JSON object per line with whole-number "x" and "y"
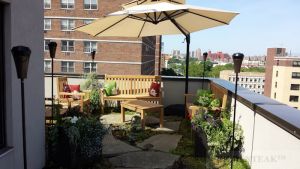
{"x": 113, "y": 147}
{"x": 162, "y": 142}
{"x": 144, "y": 160}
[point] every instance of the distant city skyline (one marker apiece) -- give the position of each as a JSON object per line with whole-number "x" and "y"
{"x": 261, "y": 24}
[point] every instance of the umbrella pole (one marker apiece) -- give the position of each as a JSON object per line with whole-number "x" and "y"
{"x": 187, "y": 63}
{"x": 187, "y": 70}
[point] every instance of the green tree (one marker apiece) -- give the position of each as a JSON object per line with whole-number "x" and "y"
{"x": 253, "y": 69}
{"x": 169, "y": 72}
{"x": 215, "y": 72}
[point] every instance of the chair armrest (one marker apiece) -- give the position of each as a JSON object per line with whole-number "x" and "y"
{"x": 71, "y": 94}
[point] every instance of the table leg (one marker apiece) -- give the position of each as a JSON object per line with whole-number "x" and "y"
{"x": 122, "y": 113}
{"x": 143, "y": 119}
{"x": 161, "y": 119}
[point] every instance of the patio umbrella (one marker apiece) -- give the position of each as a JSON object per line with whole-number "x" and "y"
{"x": 142, "y": 18}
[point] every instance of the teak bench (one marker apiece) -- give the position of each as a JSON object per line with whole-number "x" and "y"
{"x": 131, "y": 87}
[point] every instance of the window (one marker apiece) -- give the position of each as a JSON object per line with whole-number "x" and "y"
{"x": 258, "y": 86}
{"x": 295, "y": 86}
{"x": 47, "y": 24}
{"x": 275, "y": 95}
{"x": 246, "y": 79}
{"x": 2, "y": 81}
{"x": 47, "y": 66}
{"x": 296, "y": 63}
{"x": 242, "y": 79}
{"x": 89, "y": 67}
{"x": 294, "y": 98}
{"x": 89, "y": 47}
{"x": 47, "y": 4}
{"x": 67, "y": 25}
{"x": 67, "y": 67}
{"x": 46, "y": 42}
{"x": 67, "y": 4}
{"x": 87, "y": 21}
{"x": 276, "y": 73}
{"x": 67, "y": 46}
{"x": 275, "y": 84}
{"x": 296, "y": 75}
{"x": 90, "y": 4}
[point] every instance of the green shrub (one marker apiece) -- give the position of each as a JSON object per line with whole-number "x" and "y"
{"x": 95, "y": 101}
{"x": 217, "y": 126}
{"x": 76, "y": 141}
{"x": 204, "y": 98}
{"x": 91, "y": 82}
{"x": 219, "y": 134}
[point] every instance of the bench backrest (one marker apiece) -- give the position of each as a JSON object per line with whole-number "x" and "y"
{"x": 60, "y": 84}
{"x": 133, "y": 84}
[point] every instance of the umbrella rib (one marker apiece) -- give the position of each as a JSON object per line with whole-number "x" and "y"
{"x": 139, "y": 18}
{"x": 148, "y": 16}
{"x": 159, "y": 15}
{"x": 111, "y": 26}
{"x": 179, "y": 27}
{"x": 172, "y": 15}
{"x": 208, "y": 17}
{"x": 142, "y": 29}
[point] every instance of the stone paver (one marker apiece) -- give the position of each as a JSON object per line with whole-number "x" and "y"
{"x": 113, "y": 147}
{"x": 145, "y": 160}
{"x": 162, "y": 142}
{"x": 114, "y": 118}
{"x": 172, "y": 126}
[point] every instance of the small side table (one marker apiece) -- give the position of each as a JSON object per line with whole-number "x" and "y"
{"x": 142, "y": 107}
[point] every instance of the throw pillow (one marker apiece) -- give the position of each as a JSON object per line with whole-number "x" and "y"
{"x": 109, "y": 87}
{"x": 154, "y": 89}
{"x": 75, "y": 89}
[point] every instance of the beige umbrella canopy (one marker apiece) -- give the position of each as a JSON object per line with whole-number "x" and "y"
{"x": 139, "y": 2}
{"x": 153, "y": 17}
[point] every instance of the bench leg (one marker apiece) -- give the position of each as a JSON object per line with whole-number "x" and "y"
{"x": 161, "y": 119}
{"x": 122, "y": 114}
{"x": 143, "y": 119}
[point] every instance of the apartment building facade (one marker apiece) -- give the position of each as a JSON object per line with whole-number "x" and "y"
{"x": 114, "y": 55}
{"x": 253, "y": 81}
{"x": 285, "y": 79}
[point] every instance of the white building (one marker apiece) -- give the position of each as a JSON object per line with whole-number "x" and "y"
{"x": 21, "y": 23}
{"x": 253, "y": 81}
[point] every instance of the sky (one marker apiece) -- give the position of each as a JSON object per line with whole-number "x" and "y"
{"x": 261, "y": 24}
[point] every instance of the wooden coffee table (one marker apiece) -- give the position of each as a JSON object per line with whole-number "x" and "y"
{"x": 142, "y": 107}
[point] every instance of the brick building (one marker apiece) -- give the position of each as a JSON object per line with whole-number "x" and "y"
{"x": 114, "y": 55}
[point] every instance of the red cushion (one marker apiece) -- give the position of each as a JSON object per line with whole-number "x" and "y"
{"x": 74, "y": 88}
{"x": 154, "y": 89}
